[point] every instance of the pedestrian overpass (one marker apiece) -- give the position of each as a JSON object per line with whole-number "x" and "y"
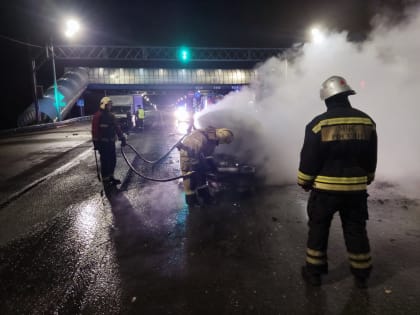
{"x": 75, "y": 80}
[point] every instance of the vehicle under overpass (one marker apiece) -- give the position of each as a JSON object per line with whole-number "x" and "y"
{"x": 204, "y": 71}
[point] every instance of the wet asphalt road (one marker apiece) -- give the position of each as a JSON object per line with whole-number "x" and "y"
{"x": 66, "y": 247}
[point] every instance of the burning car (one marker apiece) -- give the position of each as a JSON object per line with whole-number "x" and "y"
{"x": 232, "y": 176}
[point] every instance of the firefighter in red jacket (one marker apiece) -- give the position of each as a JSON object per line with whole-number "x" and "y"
{"x": 105, "y": 129}
{"x": 195, "y": 155}
{"x": 337, "y": 162}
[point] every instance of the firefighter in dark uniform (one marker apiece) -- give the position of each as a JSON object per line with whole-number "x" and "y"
{"x": 105, "y": 128}
{"x": 195, "y": 155}
{"x": 337, "y": 162}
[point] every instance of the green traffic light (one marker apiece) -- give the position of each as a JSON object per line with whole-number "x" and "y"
{"x": 184, "y": 54}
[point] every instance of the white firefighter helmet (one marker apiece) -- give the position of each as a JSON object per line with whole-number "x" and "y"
{"x": 335, "y": 85}
{"x": 224, "y": 135}
{"x": 104, "y": 101}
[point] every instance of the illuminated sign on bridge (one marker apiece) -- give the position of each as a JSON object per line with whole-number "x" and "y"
{"x": 168, "y": 78}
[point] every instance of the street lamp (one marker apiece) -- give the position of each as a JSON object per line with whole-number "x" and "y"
{"x": 72, "y": 28}
{"x": 317, "y": 35}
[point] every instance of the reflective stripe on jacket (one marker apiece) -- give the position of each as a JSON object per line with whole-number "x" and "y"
{"x": 339, "y": 153}
{"x": 105, "y": 127}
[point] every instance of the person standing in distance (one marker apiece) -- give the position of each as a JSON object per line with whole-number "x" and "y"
{"x": 337, "y": 162}
{"x": 140, "y": 118}
{"x": 105, "y": 129}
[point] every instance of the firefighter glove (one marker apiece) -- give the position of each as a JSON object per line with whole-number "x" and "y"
{"x": 306, "y": 187}
{"x": 123, "y": 141}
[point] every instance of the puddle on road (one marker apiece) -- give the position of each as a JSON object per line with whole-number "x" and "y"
{"x": 151, "y": 222}
{"x": 96, "y": 272}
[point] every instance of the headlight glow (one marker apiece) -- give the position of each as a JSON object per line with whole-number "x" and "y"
{"x": 182, "y": 114}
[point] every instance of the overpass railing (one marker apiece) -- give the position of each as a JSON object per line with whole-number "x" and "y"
{"x": 150, "y": 53}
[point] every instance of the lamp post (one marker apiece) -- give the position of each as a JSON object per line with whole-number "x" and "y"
{"x": 35, "y": 94}
{"x": 56, "y": 101}
{"x": 72, "y": 28}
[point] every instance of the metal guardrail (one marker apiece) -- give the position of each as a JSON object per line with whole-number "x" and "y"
{"x": 42, "y": 127}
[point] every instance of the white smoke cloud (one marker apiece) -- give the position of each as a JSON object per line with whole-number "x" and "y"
{"x": 269, "y": 117}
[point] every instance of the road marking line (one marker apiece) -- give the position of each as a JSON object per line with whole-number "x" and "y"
{"x": 59, "y": 170}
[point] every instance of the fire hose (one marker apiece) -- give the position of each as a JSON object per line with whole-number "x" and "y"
{"x": 159, "y": 159}
{"x": 149, "y": 178}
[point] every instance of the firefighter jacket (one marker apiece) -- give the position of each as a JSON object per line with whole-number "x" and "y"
{"x": 105, "y": 127}
{"x": 195, "y": 147}
{"x": 339, "y": 152}
{"x": 140, "y": 113}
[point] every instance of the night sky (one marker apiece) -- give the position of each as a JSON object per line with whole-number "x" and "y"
{"x": 166, "y": 23}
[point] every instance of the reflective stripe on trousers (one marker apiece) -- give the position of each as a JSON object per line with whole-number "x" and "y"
{"x": 353, "y": 212}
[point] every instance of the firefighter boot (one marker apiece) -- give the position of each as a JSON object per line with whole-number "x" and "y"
{"x": 106, "y": 181}
{"x": 114, "y": 181}
{"x": 204, "y": 195}
{"x": 313, "y": 279}
{"x": 191, "y": 200}
{"x": 360, "y": 282}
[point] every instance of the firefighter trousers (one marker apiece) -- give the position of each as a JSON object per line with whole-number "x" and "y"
{"x": 108, "y": 159}
{"x": 353, "y": 214}
{"x": 196, "y": 184}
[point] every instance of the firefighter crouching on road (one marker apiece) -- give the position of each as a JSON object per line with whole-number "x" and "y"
{"x": 105, "y": 128}
{"x": 337, "y": 162}
{"x": 195, "y": 155}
